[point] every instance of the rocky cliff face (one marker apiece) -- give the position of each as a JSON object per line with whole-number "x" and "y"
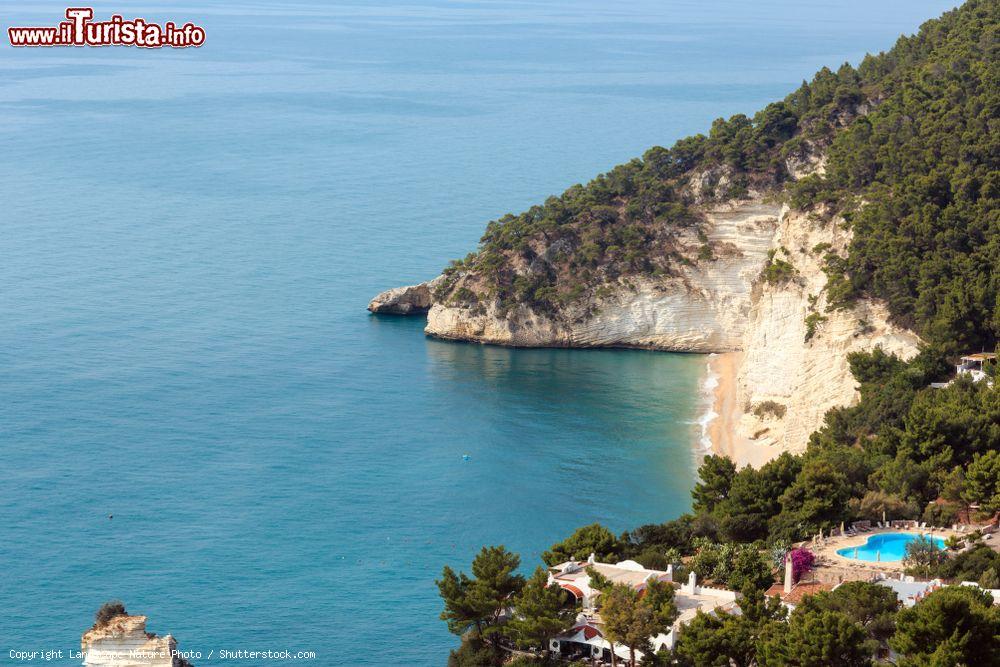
{"x": 794, "y": 363}
{"x": 124, "y": 642}
{"x": 704, "y": 309}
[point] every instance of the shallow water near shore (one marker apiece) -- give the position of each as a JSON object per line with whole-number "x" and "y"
{"x": 189, "y": 240}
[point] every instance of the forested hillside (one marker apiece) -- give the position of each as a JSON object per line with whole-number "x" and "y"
{"x": 911, "y": 144}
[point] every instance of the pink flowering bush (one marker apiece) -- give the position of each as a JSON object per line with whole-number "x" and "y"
{"x": 802, "y": 562}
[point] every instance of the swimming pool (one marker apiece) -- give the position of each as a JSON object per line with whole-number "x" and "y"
{"x": 885, "y": 547}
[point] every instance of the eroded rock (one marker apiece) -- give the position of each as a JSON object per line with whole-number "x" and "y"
{"x": 409, "y": 300}
{"x": 123, "y": 642}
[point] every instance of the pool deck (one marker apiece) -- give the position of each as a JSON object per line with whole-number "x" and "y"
{"x": 826, "y": 551}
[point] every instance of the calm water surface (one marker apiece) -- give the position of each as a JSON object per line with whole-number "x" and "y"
{"x": 187, "y": 243}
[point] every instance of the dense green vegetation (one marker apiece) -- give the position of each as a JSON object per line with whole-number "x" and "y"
{"x": 906, "y": 449}
{"x": 925, "y": 166}
{"x": 912, "y": 139}
{"x": 953, "y": 626}
{"x": 846, "y": 627}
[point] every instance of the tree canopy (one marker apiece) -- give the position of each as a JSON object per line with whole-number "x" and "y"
{"x": 958, "y": 622}
{"x": 539, "y": 612}
{"x": 814, "y": 636}
{"x": 593, "y": 539}
{"x": 477, "y": 602}
{"x": 631, "y": 618}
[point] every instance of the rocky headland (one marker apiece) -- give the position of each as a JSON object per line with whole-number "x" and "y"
{"x": 788, "y": 352}
{"x": 738, "y": 243}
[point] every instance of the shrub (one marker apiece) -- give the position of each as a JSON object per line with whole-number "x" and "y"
{"x": 777, "y": 270}
{"x": 732, "y": 565}
{"x": 954, "y": 543}
{"x": 464, "y": 295}
{"x": 108, "y": 611}
{"x": 802, "y": 562}
{"x": 971, "y": 565}
{"x": 813, "y": 320}
{"x": 769, "y": 408}
{"x": 923, "y": 557}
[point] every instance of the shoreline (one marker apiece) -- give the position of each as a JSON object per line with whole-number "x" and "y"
{"x": 709, "y": 415}
{"x": 722, "y": 425}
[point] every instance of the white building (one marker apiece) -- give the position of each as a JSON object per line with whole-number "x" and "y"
{"x": 976, "y": 366}
{"x": 586, "y": 638}
{"x": 910, "y": 591}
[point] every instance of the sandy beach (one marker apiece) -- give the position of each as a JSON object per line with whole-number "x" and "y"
{"x": 723, "y": 431}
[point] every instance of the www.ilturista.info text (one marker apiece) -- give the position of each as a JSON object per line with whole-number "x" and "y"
{"x": 80, "y": 30}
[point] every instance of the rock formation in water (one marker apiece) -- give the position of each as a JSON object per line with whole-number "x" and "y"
{"x": 409, "y": 300}
{"x": 122, "y": 641}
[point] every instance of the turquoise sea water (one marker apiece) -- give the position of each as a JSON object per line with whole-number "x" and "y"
{"x": 887, "y": 547}
{"x": 188, "y": 240}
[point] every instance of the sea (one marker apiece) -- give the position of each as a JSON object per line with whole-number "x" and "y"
{"x": 199, "y": 418}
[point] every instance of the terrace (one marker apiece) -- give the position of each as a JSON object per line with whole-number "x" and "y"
{"x": 835, "y": 554}
{"x": 977, "y": 366}
{"x": 980, "y": 367}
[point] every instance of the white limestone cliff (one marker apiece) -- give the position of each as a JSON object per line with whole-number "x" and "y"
{"x": 703, "y": 310}
{"x": 786, "y": 380}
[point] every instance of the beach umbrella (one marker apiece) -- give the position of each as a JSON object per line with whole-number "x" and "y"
{"x": 883, "y": 516}
{"x": 841, "y": 527}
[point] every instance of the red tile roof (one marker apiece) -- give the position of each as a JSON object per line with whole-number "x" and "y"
{"x": 798, "y": 592}
{"x": 572, "y": 589}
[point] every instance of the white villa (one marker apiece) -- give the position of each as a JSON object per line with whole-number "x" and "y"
{"x": 975, "y": 365}
{"x": 586, "y": 638}
{"x": 910, "y": 591}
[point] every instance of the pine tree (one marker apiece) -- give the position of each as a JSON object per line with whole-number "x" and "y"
{"x": 539, "y": 613}
{"x": 478, "y": 602}
{"x": 630, "y": 619}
